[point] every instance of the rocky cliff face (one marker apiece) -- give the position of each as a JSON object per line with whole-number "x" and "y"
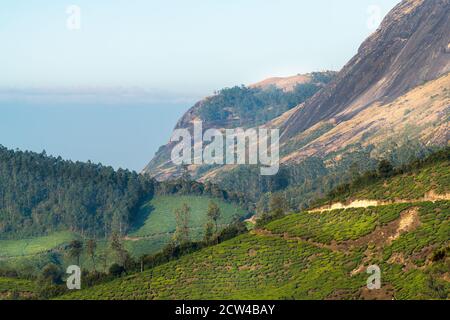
{"x": 407, "y": 50}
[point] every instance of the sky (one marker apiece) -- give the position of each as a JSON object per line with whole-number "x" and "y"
{"x": 156, "y": 58}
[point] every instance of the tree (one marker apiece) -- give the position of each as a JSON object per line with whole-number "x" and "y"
{"x": 117, "y": 246}
{"x": 182, "y": 229}
{"x": 214, "y": 213}
{"x": 103, "y": 257}
{"x": 75, "y": 250}
{"x": 385, "y": 169}
{"x": 91, "y": 246}
{"x": 277, "y": 205}
{"x": 209, "y": 232}
{"x": 116, "y": 270}
{"x": 354, "y": 171}
{"x": 90, "y": 199}
{"x": 52, "y": 273}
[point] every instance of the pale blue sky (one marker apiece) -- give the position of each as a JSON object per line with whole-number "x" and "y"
{"x": 194, "y": 46}
{"x": 112, "y": 91}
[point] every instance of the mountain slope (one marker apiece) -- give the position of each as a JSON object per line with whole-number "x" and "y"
{"x": 316, "y": 255}
{"x": 422, "y": 114}
{"x": 244, "y": 106}
{"x": 407, "y": 50}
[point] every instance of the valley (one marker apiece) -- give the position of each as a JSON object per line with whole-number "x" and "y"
{"x": 152, "y": 231}
{"x": 357, "y": 188}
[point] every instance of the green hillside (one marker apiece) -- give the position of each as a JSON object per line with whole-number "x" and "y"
{"x": 264, "y": 265}
{"x": 153, "y": 229}
{"x": 429, "y": 178}
{"x": 157, "y": 216}
{"x": 318, "y": 255}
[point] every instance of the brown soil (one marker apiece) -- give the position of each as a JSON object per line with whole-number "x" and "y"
{"x": 386, "y": 292}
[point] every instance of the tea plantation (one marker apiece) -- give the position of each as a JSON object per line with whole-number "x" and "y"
{"x": 281, "y": 261}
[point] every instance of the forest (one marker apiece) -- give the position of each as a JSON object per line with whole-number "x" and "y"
{"x": 40, "y": 194}
{"x": 246, "y": 106}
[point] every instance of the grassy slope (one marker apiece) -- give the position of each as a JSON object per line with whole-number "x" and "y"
{"x": 33, "y": 246}
{"x": 412, "y": 185}
{"x": 160, "y": 219}
{"x": 293, "y": 258}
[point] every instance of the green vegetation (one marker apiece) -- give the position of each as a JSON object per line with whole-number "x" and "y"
{"x": 258, "y": 265}
{"x": 412, "y": 181}
{"x": 337, "y": 225}
{"x": 157, "y": 216}
{"x": 33, "y": 246}
{"x": 249, "y": 266}
{"x": 48, "y": 204}
{"x": 308, "y": 255}
{"x": 318, "y": 255}
{"x": 11, "y": 288}
{"x": 433, "y": 231}
{"x": 154, "y": 227}
{"x": 41, "y": 194}
{"x": 244, "y": 106}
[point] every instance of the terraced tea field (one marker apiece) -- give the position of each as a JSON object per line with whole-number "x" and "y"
{"x": 336, "y": 225}
{"x": 16, "y": 288}
{"x": 308, "y": 256}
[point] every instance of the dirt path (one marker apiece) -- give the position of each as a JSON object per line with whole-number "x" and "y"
{"x": 429, "y": 197}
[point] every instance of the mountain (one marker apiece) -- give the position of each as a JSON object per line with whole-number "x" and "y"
{"x": 407, "y": 50}
{"x": 392, "y": 94}
{"x": 397, "y": 221}
{"x": 244, "y": 106}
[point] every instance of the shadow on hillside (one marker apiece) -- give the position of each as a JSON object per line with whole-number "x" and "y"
{"x": 141, "y": 216}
